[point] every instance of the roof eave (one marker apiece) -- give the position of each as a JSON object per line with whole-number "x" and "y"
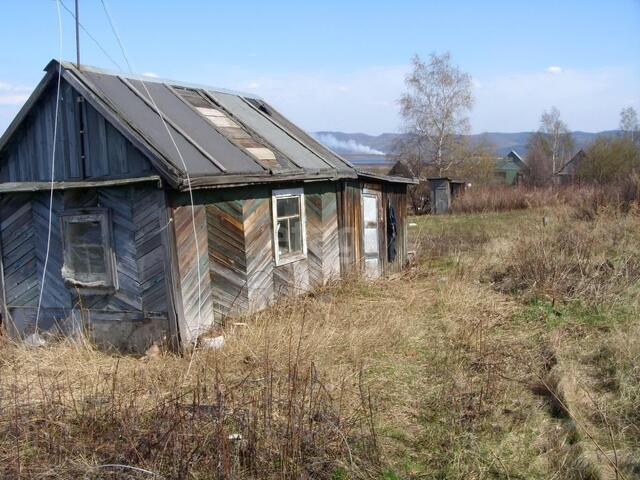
{"x": 239, "y": 180}
{"x": 388, "y": 178}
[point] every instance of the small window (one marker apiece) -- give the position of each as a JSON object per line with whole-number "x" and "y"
{"x": 88, "y": 257}
{"x": 289, "y": 225}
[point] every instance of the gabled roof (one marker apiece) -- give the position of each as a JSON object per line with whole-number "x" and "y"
{"x": 572, "y": 165}
{"x": 218, "y": 137}
{"x": 512, "y": 155}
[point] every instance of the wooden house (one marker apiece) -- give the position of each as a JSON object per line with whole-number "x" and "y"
{"x": 511, "y": 169}
{"x": 174, "y": 206}
{"x": 568, "y": 174}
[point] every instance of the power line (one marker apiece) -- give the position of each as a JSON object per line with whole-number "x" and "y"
{"x": 53, "y": 165}
{"x": 106, "y": 54}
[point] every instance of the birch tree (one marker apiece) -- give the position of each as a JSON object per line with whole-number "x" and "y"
{"x": 629, "y": 123}
{"x": 558, "y": 136}
{"x": 435, "y": 110}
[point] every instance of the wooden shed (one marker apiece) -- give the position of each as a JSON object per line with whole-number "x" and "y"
{"x": 174, "y": 206}
{"x": 442, "y": 191}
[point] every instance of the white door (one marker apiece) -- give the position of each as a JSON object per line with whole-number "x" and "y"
{"x": 371, "y": 240}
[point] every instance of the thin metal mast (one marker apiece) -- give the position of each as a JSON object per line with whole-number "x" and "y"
{"x": 77, "y": 36}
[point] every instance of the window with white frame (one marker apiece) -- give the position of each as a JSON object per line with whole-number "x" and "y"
{"x": 88, "y": 256}
{"x": 289, "y": 225}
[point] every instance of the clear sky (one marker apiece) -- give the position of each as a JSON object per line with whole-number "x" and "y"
{"x": 340, "y": 65}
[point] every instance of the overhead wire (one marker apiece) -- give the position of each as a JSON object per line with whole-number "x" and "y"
{"x": 95, "y": 40}
{"x": 188, "y": 178}
{"x": 53, "y": 164}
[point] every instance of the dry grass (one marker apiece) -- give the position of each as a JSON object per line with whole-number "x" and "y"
{"x": 428, "y": 374}
{"x": 286, "y": 397}
{"x": 502, "y": 198}
{"x": 593, "y": 262}
{"x": 586, "y": 200}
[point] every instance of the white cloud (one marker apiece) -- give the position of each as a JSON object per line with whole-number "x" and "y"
{"x": 554, "y": 69}
{"x": 151, "y": 75}
{"x": 253, "y": 85}
{"x": 11, "y": 94}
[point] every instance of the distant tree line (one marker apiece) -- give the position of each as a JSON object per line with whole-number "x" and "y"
{"x": 608, "y": 159}
{"x": 435, "y": 113}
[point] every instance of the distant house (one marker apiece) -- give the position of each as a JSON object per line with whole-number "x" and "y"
{"x": 568, "y": 173}
{"x": 511, "y": 169}
{"x": 172, "y": 207}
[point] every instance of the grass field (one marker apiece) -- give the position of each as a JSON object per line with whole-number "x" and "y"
{"x": 509, "y": 349}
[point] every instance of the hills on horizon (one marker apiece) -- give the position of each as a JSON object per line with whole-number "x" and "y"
{"x": 364, "y": 147}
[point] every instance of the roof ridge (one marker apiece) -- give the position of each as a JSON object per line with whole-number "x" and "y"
{"x": 144, "y": 78}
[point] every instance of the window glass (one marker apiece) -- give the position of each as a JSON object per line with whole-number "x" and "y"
{"x": 296, "y": 234}
{"x": 289, "y": 225}
{"x": 288, "y": 206}
{"x": 86, "y": 250}
{"x": 283, "y": 237}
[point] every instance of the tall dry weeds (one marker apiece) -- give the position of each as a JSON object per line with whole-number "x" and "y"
{"x": 287, "y": 397}
{"x": 586, "y": 199}
{"x": 593, "y": 261}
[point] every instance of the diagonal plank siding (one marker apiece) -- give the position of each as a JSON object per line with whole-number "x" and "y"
{"x": 227, "y": 257}
{"x": 259, "y": 247}
{"x": 322, "y": 233}
{"x": 119, "y": 318}
{"x": 195, "y": 321}
{"x": 148, "y": 219}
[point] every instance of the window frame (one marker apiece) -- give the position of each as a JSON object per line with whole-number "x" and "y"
{"x": 275, "y": 196}
{"x": 103, "y": 216}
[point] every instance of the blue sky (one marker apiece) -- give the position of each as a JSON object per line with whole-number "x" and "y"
{"x": 333, "y": 65}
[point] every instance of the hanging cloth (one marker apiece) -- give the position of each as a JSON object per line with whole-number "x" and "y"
{"x": 392, "y": 233}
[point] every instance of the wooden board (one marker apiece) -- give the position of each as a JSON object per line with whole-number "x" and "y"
{"x": 194, "y": 277}
{"x": 107, "y": 154}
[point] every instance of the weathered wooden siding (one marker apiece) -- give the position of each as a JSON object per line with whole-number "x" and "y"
{"x": 323, "y": 250}
{"x": 349, "y": 213}
{"x": 131, "y": 317}
{"x": 107, "y": 154}
{"x": 227, "y": 256}
{"x": 260, "y": 254}
{"x": 240, "y": 252}
{"x": 350, "y": 224}
{"x": 194, "y": 276}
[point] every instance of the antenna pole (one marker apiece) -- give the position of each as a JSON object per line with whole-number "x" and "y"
{"x": 77, "y": 36}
